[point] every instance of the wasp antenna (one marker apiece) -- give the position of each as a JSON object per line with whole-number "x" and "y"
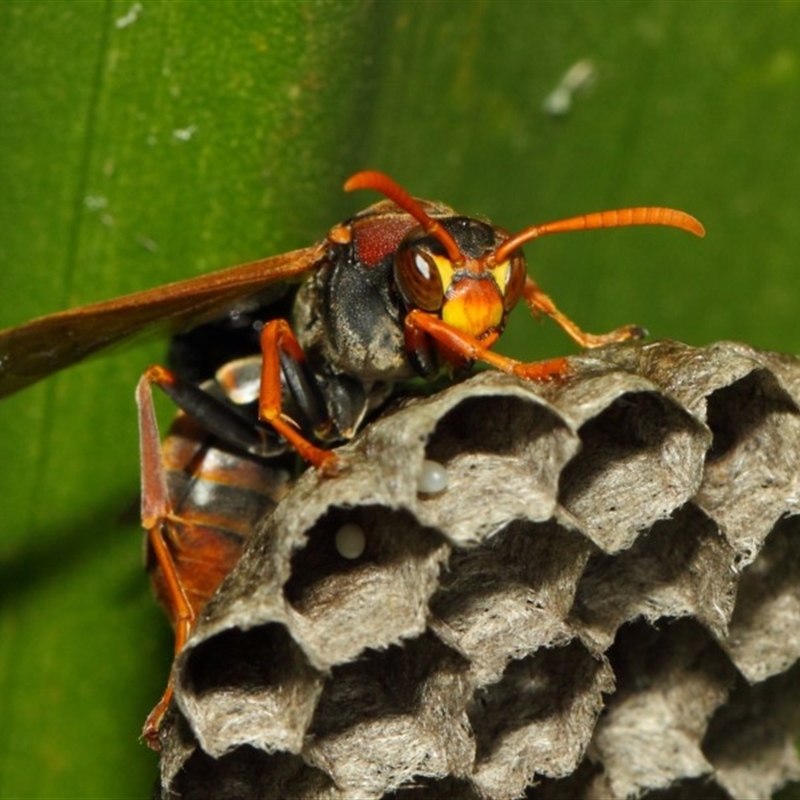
{"x": 622, "y": 217}
{"x": 380, "y": 182}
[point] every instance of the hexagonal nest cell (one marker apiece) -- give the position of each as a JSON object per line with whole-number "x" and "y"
{"x": 599, "y": 599}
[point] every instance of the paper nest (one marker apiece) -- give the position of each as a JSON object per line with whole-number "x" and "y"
{"x": 603, "y": 603}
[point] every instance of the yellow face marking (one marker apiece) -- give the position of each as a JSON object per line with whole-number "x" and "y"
{"x": 473, "y": 306}
{"x": 501, "y": 273}
{"x": 444, "y": 266}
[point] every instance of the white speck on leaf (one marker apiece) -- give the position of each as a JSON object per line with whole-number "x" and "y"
{"x": 95, "y": 202}
{"x": 579, "y": 76}
{"x": 130, "y": 17}
{"x": 147, "y": 243}
{"x": 184, "y": 134}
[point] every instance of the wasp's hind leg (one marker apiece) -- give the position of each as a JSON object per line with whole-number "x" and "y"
{"x": 177, "y": 535}
{"x": 158, "y": 519}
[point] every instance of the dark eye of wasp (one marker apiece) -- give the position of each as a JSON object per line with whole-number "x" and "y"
{"x": 517, "y": 273}
{"x": 417, "y": 276}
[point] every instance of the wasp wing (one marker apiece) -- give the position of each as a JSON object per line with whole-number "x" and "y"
{"x": 48, "y": 344}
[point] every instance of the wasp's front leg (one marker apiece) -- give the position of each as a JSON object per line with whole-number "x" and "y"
{"x": 540, "y": 303}
{"x": 278, "y": 341}
{"x": 456, "y": 343}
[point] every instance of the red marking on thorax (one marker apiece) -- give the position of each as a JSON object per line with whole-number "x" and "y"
{"x": 377, "y": 237}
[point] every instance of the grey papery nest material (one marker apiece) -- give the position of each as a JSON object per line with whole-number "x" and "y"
{"x": 603, "y": 603}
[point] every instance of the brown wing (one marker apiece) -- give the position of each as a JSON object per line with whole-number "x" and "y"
{"x": 38, "y": 348}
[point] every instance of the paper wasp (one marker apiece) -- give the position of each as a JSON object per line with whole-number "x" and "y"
{"x": 406, "y": 288}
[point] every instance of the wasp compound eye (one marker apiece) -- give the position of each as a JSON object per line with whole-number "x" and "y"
{"x": 418, "y": 277}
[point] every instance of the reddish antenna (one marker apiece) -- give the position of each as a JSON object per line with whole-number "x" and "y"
{"x": 379, "y": 182}
{"x": 623, "y": 217}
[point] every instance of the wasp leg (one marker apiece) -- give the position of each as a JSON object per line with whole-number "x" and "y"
{"x": 468, "y": 348}
{"x": 539, "y": 303}
{"x": 277, "y": 341}
{"x": 215, "y": 416}
{"x": 157, "y": 519}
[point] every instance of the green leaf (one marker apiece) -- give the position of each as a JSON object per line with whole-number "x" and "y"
{"x": 148, "y": 141}
{"x": 142, "y": 143}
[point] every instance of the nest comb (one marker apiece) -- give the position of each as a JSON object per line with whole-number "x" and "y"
{"x": 603, "y": 603}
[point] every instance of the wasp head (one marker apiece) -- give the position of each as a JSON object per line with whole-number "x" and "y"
{"x": 449, "y": 267}
{"x": 471, "y": 274}
{"x": 452, "y": 273}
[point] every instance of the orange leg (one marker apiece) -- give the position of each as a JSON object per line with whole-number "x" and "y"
{"x": 539, "y": 303}
{"x": 157, "y": 519}
{"x": 277, "y": 337}
{"x": 469, "y": 348}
